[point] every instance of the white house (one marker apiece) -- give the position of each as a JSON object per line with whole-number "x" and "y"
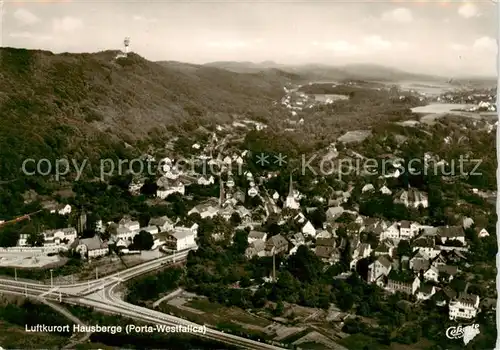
{"x": 252, "y": 191}
{"x": 392, "y": 232}
{"x": 334, "y": 212}
{"x": 425, "y": 292}
{"x": 256, "y": 248}
{"x": 92, "y": 247}
{"x": 206, "y": 210}
{"x": 481, "y": 233}
{"x": 163, "y": 223}
{"x": 465, "y": 306}
{"x": 412, "y": 198}
{"x": 164, "y": 191}
{"x": 202, "y": 180}
{"x": 380, "y": 267}
{"x": 99, "y": 227}
{"x": 65, "y": 210}
{"x": 256, "y": 235}
{"x": 406, "y": 285}
{"x": 130, "y": 224}
{"x": 57, "y": 237}
{"x": 125, "y": 233}
{"x": 300, "y": 218}
{"x": 385, "y": 190}
{"x": 166, "y": 164}
{"x": 308, "y": 229}
{"x": 153, "y": 230}
{"x": 180, "y": 240}
{"x": 54, "y": 207}
{"x": 432, "y": 274}
{"x": 449, "y": 233}
{"x": 368, "y": 187}
{"x": 408, "y": 230}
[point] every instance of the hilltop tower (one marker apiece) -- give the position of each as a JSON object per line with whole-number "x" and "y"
{"x": 126, "y": 43}
{"x": 290, "y": 199}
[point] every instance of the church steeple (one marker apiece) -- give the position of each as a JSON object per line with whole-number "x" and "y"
{"x": 290, "y": 199}
{"x": 290, "y": 187}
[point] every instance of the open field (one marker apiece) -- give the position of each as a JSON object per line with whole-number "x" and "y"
{"x": 29, "y": 260}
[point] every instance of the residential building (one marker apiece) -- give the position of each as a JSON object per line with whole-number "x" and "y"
{"x": 308, "y": 229}
{"x": 327, "y": 254}
{"x": 297, "y": 239}
{"x": 163, "y": 223}
{"x": 92, "y": 247}
{"x": 408, "y": 230}
{"x": 180, "y": 239}
{"x": 64, "y": 236}
{"x": 447, "y": 271}
{"x": 130, "y": 224}
{"x": 427, "y": 246}
{"x": 451, "y": 233}
{"x": 256, "y": 235}
{"x": 385, "y": 190}
{"x": 392, "y": 232}
{"x": 384, "y": 248}
{"x": 401, "y": 282}
{"x": 256, "y": 248}
{"x": 153, "y": 230}
{"x": 419, "y": 265}
{"x": 481, "y": 232}
{"x": 380, "y": 267}
{"x": 465, "y": 306}
{"x": 444, "y": 296}
{"x": 362, "y": 251}
{"x": 166, "y": 187}
{"x": 412, "y": 198}
{"x": 334, "y": 212}
{"x": 278, "y": 244}
{"x": 432, "y": 274}
{"x": 426, "y": 291}
{"x": 206, "y": 210}
{"x": 64, "y": 210}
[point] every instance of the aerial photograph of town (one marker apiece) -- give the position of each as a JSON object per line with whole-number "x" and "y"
{"x": 248, "y": 175}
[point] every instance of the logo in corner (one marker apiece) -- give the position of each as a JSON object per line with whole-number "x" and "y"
{"x": 467, "y": 333}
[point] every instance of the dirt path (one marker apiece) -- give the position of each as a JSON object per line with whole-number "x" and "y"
{"x": 74, "y": 340}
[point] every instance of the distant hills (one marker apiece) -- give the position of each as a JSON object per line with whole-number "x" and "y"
{"x": 322, "y": 72}
{"x": 83, "y": 105}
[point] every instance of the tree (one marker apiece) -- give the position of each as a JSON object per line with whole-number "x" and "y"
{"x": 240, "y": 241}
{"x": 149, "y": 188}
{"x": 404, "y": 248}
{"x": 305, "y": 265}
{"x": 235, "y": 219}
{"x": 143, "y": 241}
{"x": 35, "y": 239}
{"x": 279, "y": 309}
{"x": 245, "y": 282}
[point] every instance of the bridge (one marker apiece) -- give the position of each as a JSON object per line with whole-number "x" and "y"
{"x": 99, "y": 294}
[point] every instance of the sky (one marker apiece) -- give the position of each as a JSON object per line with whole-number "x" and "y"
{"x": 453, "y": 38}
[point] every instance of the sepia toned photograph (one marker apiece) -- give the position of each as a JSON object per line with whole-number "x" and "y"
{"x": 315, "y": 175}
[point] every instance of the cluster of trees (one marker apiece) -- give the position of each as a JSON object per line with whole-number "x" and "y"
{"x": 151, "y": 287}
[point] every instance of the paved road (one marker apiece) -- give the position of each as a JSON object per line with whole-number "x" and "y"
{"x": 100, "y": 296}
